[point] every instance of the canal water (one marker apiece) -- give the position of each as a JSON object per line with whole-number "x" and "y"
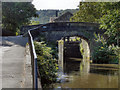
{"x": 79, "y": 75}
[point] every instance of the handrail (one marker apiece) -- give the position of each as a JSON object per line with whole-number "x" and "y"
{"x": 33, "y": 59}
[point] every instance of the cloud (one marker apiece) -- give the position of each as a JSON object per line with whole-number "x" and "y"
{"x": 56, "y": 4}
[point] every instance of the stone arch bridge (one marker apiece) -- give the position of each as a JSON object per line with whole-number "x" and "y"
{"x": 57, "y": 30}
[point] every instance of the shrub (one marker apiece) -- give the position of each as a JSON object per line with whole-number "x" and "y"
{"x": 47, "y": 63}
{"x": 105, "y": 53}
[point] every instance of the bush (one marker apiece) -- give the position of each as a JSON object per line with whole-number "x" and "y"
{"x": 47, "y": 63}
{"x": 105, "y": 53}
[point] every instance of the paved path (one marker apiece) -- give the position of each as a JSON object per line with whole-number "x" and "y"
{"x": 13, "y": 61}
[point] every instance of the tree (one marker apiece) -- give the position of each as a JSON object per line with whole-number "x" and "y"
{"x": 88, "y": 12}
{"x": 16, "y": 14}
{"x": 105, "y": 13}
{"x": 111, "y": 21}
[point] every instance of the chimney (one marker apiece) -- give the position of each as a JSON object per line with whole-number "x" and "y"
{"x": 56, "y": 13}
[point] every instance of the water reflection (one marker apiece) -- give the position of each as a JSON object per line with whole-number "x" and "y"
{"x": 104, "y": 72}
{"x": 70, "y": 65}
{"x": 82, "y": 75}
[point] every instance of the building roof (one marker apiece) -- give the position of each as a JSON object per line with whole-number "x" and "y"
{"x": 52, "y": 19}
{"x": 63, "y": 18}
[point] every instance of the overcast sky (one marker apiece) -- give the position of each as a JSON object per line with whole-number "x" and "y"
{"x": 56, "y": 4}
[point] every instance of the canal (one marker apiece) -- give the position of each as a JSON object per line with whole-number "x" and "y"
{"x": 78, "y": 75}
{"x": 76, "y": 72}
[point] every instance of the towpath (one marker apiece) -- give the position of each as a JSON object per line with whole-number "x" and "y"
{"x": 14, "y": 62}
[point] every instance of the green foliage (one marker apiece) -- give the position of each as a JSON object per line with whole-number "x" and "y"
{"x": 34, "y": 22}
{"x": 106, "y": 13}
{"x": 47, "y": 63}
{"x": 100, "y": 39}
{"x": 17, "y": 34}
{"x": 61, "y": 41}
{"x": 111, "y": 21}
{"x": 104, "y": 53}
{"x": 53, "y": 46}
{"x": 16, "y": 14}
{"x": 78, "y": 39}
{"x": 88, "y": 12}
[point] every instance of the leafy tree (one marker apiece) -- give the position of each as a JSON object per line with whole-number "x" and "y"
{"x": 105, "y": 13}
{"x": 16, "y": 14}
{"x": 111, "y": 21}
{"x": 108, "y": 15}
{"x": 88, "y": 12}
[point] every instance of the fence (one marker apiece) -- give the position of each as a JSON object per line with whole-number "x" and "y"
{"x": 31, "y": 35}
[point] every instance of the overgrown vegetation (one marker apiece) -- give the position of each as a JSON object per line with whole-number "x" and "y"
{"x": 88, "y": 12}
{"x": 108, "y": 15}
{"x": 105, "y": 53}
{"x": 47, "y": 62}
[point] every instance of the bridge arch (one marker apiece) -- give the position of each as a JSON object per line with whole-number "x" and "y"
{"x": 54, "y": 34}
{"x": 84, "y": 43}
{"x": 55, "y": 31}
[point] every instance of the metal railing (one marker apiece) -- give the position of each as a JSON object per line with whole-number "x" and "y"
{"x": 31, "y": 36}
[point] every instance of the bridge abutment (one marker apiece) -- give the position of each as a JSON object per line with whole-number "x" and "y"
{"x": 61, "y": 54}
{"x": 86, "y": 50}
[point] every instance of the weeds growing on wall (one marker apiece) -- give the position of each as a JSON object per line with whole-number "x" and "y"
{"x": 47, "y": 63}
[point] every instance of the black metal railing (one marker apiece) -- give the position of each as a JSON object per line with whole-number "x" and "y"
{"x": 31, "y": 36}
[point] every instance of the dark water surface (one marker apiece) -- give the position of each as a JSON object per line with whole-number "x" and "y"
{"x": 77, "y": 75}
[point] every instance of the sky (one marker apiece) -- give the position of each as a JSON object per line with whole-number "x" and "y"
{"x": 56, "y": 4}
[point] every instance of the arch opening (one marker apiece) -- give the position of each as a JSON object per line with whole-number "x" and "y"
{"x": 73, "y": 49}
